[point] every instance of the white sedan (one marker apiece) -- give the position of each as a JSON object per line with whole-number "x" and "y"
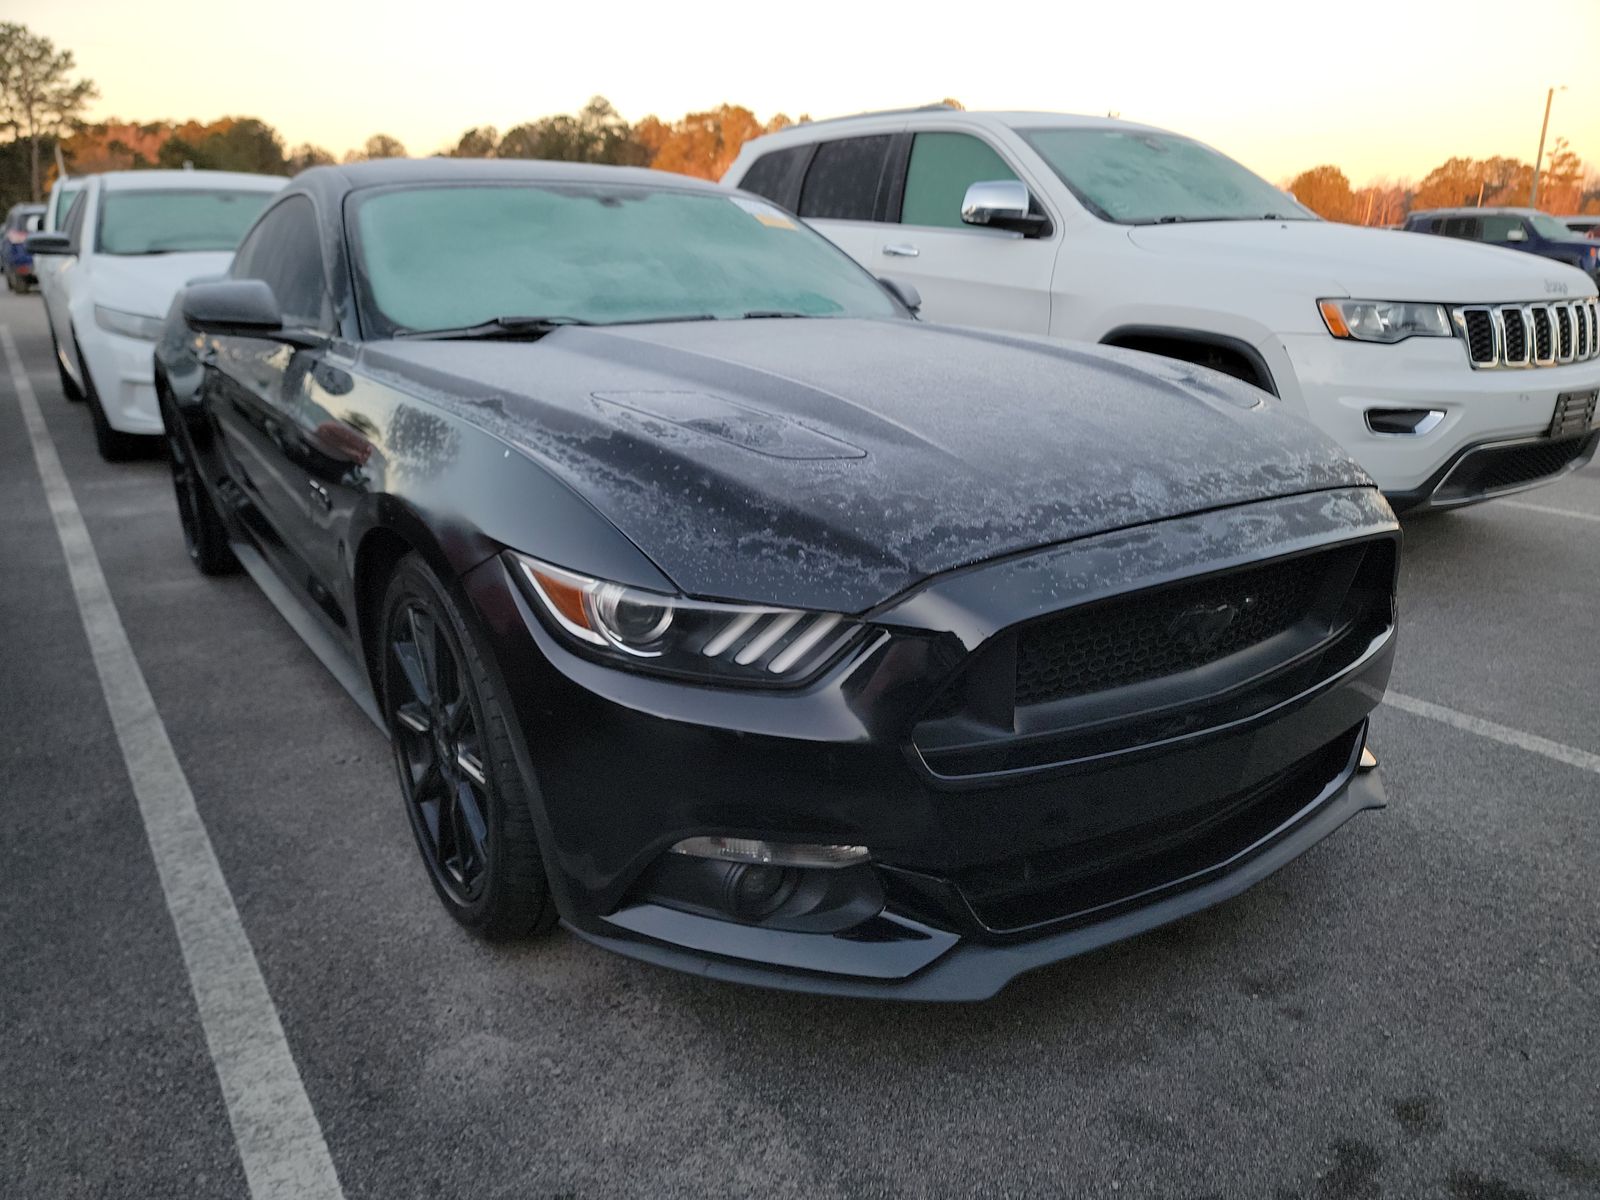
{"x": 129, "y": 242}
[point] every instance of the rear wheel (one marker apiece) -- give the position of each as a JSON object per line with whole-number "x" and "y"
{"x": 204, "y": 534}
{"x": 463, "y": 790}
{"x": 113, "y": 444}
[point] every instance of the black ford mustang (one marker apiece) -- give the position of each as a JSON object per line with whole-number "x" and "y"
{"x": 716, "y": 605}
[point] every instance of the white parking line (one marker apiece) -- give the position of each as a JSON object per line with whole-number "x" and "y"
{"x": 280, "y": 1142}
{"x": 1571, "y": 755}
{"x": 1551, "y": 510}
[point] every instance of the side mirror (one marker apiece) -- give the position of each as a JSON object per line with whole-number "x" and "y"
{"x": 50, "y": 243}
{"x": 240, "y": 308}
{"x": 1516, "y": 235}
{"x": 903, "y": 292}
{"x": 1002, "y": 204}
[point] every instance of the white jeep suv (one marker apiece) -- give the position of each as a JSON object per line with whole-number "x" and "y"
{"x": 1452, "y": 372}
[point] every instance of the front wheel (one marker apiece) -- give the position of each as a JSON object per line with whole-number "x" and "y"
{"x": 113, "y": 444}
{"x": 205, "y": 537}
{"x": 462, "y": 787}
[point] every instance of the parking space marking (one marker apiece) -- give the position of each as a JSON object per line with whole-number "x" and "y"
{"x": 1571, "y": 755}
{"x": 1550, "y": 509}
{"x": 279, "y": 1139}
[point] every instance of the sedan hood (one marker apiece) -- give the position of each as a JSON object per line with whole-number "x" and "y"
{"x": 146, "y": 283}
{"x": 832, "y": 464}
{"x": 1368, "y": 264}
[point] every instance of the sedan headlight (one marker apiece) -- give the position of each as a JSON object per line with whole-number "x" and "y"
{"x": 1384, "y": 320}
{"x": 672, "y": 635}
{"x": 114, "y": 320}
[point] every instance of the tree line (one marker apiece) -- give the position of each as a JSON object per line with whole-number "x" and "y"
{"x": 1565, "y": 186}
{"x": 42, "y": 104}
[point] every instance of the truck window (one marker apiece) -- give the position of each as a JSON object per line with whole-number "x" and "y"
{"x": 943, "y": 166}
{"x": 842, "y": 184}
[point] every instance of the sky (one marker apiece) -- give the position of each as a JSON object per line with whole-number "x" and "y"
{"x": 1385, "y": 91}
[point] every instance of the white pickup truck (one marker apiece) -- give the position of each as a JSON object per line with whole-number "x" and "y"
{"x": 1452, "y": 372}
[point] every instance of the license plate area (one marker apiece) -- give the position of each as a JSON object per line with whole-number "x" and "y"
{"x": 1574, "y": 413}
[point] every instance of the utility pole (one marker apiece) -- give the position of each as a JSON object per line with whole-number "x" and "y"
{"x": 1538, "y": 162}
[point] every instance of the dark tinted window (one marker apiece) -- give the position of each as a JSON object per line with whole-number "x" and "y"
{"x": 772, "y": 174}
{"x": 285, "y": 252}
{"x": 1462, "y": 227}
{"x": 842, "y": 184}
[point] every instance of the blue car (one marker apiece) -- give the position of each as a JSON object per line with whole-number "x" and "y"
{"x": 1516, "y": 229}
{"x": 22, "y": 220}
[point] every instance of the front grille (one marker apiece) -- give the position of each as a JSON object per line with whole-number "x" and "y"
{"x": 1541, "y": 334}
{"x": 1087, "y": 879}
{"x": 1496, "y": 467}
{"x": 1163, "y": 663}
{"x": 1529, "y": 335}
{"x": 1162, "y": 632}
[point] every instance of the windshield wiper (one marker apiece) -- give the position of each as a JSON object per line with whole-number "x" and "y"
{"x": 508, "y": 328}
{"x": 772, "y": 314}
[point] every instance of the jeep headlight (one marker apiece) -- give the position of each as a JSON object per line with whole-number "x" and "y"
{"x": 1384, "y": 320}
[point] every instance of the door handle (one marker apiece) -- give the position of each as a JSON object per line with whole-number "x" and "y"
{"x": 901, "y": 250}
{"x": 320, "y": 495}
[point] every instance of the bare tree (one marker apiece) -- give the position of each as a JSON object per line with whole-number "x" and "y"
{"x": 37, "y": 94}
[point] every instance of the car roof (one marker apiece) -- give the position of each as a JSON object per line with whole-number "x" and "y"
{"x": 1470, "y": 210}
{"x": 388, "y": 172}
{"x": 122, "y": 181}
{"x": 940, "y": 115}
{"x": 23, "y": 208}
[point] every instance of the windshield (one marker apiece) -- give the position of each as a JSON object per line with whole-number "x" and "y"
{"x": 448, "y": 257}
{"x": 1139, "y": 178}
{"x": 170, "y": 222}
{"x": 1547, "y": 226}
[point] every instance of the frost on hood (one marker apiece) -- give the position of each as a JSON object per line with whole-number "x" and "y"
{"x": 832, "y": 464}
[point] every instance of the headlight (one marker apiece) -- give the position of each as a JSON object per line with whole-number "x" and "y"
{"x": 132, "y": 325}
{"x": 718, "y": 643}
{"x": 1384, "y": 320}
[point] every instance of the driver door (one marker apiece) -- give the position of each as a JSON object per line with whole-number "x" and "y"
{"x": 254, "y": 385}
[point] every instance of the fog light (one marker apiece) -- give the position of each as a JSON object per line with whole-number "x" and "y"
{"x": 772, "y": 854}
{"x": 753, "y": 892}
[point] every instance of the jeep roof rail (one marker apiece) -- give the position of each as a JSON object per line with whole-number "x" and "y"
{"x": 878, "y": 112}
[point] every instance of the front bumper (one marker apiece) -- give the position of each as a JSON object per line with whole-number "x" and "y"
{"x": 1190, "y": 813}
{"x": 1339, "y": 383}
{"x": 123, "y": 371}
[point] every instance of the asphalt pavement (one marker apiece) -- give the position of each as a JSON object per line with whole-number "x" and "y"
{"x": 1411, "y": 1010}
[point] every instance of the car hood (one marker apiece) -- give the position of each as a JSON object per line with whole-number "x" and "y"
{"x": 832, "y": 464}
{"x": 1368, "y": 264}
{"x": 146, "y": 283}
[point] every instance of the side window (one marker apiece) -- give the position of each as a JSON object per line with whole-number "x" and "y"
{"x": 943, "y": 166}
{"x": 1498, "y": 229}
{"x": 842, "y": 184}
{"x": 772, "y": 175}
{"x": 1462, "y": 227}
{"x": 285, "y": 252}
{"x": 73, "y": 225}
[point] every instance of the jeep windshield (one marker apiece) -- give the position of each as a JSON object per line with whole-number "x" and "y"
{"x": 1135, "y": 177}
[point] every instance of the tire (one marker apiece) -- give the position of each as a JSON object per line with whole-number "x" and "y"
{"x": 113, "y": 444}
{"x": 204, "y": 534}
{"x": 68, "y": 388}
{"x": 480, "y": 849}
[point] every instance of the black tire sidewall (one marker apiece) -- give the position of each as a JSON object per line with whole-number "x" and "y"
{"x": 515, "y": 899}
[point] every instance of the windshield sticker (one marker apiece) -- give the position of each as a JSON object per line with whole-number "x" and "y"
{"x": 764, "y": 213}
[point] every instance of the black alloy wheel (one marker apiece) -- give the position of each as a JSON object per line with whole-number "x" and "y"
{"x": 205, "y": 537}
{"x": 458, "y": 776}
